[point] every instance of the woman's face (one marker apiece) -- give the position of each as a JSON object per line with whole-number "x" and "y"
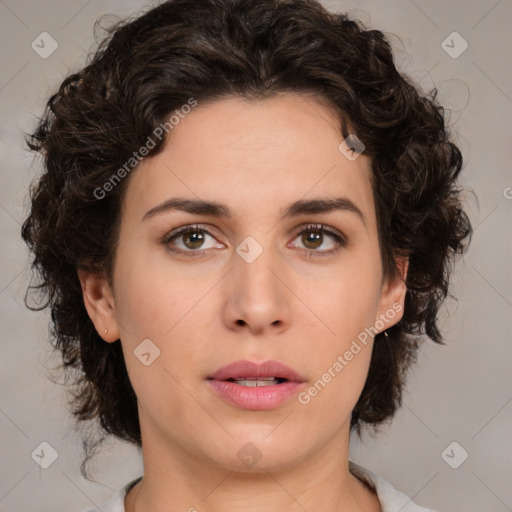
{"x": 246, "y": 285}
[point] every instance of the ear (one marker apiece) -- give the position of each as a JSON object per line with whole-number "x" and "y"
{"x": 99, "y": 303}
{"x": 392, "y": 299}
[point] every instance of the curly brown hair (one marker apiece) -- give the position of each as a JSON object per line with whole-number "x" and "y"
{"x": 146, "y": 68}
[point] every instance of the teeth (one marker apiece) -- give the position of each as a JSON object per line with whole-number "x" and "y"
{"x": 253, "y": 383}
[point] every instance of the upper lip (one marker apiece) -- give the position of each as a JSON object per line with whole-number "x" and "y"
{"x": 248, "y": 369}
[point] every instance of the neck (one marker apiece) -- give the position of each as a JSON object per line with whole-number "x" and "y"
{"x": 177, "y": 480}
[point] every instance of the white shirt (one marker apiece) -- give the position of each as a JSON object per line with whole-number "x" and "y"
{"x": 390, "y": 499}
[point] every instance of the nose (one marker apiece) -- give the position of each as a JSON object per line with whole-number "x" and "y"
{"x": 257, "y": 293}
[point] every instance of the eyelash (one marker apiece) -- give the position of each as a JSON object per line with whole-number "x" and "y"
{"x": 319, "y": 228}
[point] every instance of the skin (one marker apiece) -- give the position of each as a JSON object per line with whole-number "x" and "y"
{"x": 291, "y": 304}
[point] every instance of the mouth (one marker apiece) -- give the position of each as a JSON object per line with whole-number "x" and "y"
{"x": 252, "y": 382}
{"x": 249, "y": 374}
{"x": 256, "y": 386}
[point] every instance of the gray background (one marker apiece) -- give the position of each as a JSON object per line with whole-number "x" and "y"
{"x": 460, "y": 392}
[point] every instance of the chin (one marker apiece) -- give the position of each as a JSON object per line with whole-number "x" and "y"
{"x": 253, "y": 454}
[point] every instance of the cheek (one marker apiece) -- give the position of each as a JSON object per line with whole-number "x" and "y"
{"x": 153, "y": 295}
{"x": 156, "y": 303}
{"x": 345, "y": 300}
{"x": 346, "y": 306}
{"x": 340, "y": 358}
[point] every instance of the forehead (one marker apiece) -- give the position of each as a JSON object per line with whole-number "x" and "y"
{"x": 254, "y": 155}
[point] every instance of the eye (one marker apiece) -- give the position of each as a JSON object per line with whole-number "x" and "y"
{"x": 189, "y": 239}
{"x": 313, "y": 237}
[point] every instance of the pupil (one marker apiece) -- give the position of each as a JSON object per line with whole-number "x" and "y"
{"x": 313, "y": 237}
{"x": 195, "y": 243}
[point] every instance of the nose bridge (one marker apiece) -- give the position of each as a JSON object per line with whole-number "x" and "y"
{"x": 256, "y": 263}
{"x": 257, "y": 296}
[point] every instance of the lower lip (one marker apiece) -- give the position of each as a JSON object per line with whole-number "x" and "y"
{"x": 260, "y": 398}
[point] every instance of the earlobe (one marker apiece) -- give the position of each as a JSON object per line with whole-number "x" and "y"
{"x": 99, "y": 303}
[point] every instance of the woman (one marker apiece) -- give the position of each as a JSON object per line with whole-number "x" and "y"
{"x": 246, "y": 220}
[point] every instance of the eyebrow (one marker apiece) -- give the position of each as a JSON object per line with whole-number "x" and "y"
{"x": 215, "y": 209}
